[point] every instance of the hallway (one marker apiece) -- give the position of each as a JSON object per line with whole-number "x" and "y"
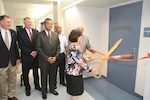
{"x": 36, "y": 95}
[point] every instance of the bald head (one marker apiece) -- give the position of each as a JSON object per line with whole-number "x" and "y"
{"x": 80, "y": 28}
{"x": 58, "y": 28}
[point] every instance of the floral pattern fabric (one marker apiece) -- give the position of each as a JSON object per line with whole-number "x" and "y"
{"x": 75, "y": 64}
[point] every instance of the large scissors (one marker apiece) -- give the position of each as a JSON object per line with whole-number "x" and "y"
{"x": 89, "y": 56}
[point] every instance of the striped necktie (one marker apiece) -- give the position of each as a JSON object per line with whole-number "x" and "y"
{"x": 30, "y": 34}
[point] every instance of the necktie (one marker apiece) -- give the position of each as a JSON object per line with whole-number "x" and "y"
{"x": 49, "y": 34}
{"x": 6, "y": 40}
{"x": 50, "y": 37}
{"x": 30, "y": 35}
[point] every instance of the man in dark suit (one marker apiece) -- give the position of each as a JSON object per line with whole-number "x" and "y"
{"x": 48, "y": 48}
{"x": 9, "y": 57}
{"x": 27, "y": 39}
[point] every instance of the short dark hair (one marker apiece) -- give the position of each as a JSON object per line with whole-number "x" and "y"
{"x": 2, "y": 17}
{"x": 74, "y": 34}
{"x": 46, "y": 20}
{"x": 26, "y": 18}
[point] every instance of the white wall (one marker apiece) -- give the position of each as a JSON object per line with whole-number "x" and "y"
{"x": 1, "y": 7}
{"x": 2, "y": 12}
{"x": 143, "y": 72}
{"x": 92, "y": 18}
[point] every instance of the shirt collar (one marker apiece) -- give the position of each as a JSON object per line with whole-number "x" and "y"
{"x": 3, "y": 30}
{"x": 47, "y": 32}
{"x": 28, "y": 30}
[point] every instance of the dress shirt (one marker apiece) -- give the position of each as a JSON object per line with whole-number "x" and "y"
{"x": 63, "y": 43}
{"x": 48, "y": 33}
{"x": 27, "y": 30}
{"x": 3, "y": 35}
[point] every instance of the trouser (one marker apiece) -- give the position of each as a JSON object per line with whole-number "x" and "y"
{"x": 48, "y": 71}
{"x": 53, "y": 76}
{"x": 7, "y": 82}
{"x": 25, "y": 70}
{"x": 62, "y": 63}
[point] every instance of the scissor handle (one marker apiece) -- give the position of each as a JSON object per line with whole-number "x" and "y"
{"x": 88, "y": 56}
{"x": 97, "y": 73}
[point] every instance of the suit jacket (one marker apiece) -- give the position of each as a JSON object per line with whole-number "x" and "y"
{"x": 45, "y": 48}
{"x": 26, "y": 45}
{"x": 8, "y": 55}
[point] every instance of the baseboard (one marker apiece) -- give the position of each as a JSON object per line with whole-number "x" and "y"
{"x": 139, "y": 96}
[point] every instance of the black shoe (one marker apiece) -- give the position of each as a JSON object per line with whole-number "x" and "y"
{"x": 54, "y": 92}
{"x": 13, "y": 98}
{"x": 44, "y": 96}
{"x": 38, "y": 88}
{"x": 63, "y": 84}
{"x": 28, "y": 93}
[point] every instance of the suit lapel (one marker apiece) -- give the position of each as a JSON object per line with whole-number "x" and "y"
{"x": 1, "y": 40}
{"x": 12, "y": 38}
{"x": 47, "y": 38}
{"x": 33, "y": 34}
{"x": 51, "y": 39}
{"x": 26, "y": 35}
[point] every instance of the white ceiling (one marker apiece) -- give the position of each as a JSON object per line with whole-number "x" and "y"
{"x": 103, "y": 3}
{"x": 22, "y": 8}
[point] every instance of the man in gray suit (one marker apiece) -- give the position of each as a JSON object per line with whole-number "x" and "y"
{"x": 48, "y": 48}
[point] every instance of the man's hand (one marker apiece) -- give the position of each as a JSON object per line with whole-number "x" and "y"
{"x": 54, "y": 59}
{"x": 51, "y": 60}
{"x": 94, "y": 70}
{"x": 17, "y": 63}
{"x": 34, "y": 54}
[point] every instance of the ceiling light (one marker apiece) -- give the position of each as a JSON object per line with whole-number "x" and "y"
{"x": 40, "y": 10}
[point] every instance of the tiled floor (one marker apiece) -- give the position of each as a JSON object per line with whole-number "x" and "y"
{"x": 36, "y": 95}
{"x": 95, "y": 89}
{"x": 101, "y": 89}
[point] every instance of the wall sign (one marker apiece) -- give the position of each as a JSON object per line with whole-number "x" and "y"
{"x": 147, "y": 32}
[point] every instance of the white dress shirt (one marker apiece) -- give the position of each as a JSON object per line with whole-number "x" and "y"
{"x": 48, "y": 33}
{"x": 63, "y": 43}
{"x": 3, "y": 35}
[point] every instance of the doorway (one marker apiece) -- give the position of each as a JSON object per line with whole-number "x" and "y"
{"x": 125, "y": 23}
